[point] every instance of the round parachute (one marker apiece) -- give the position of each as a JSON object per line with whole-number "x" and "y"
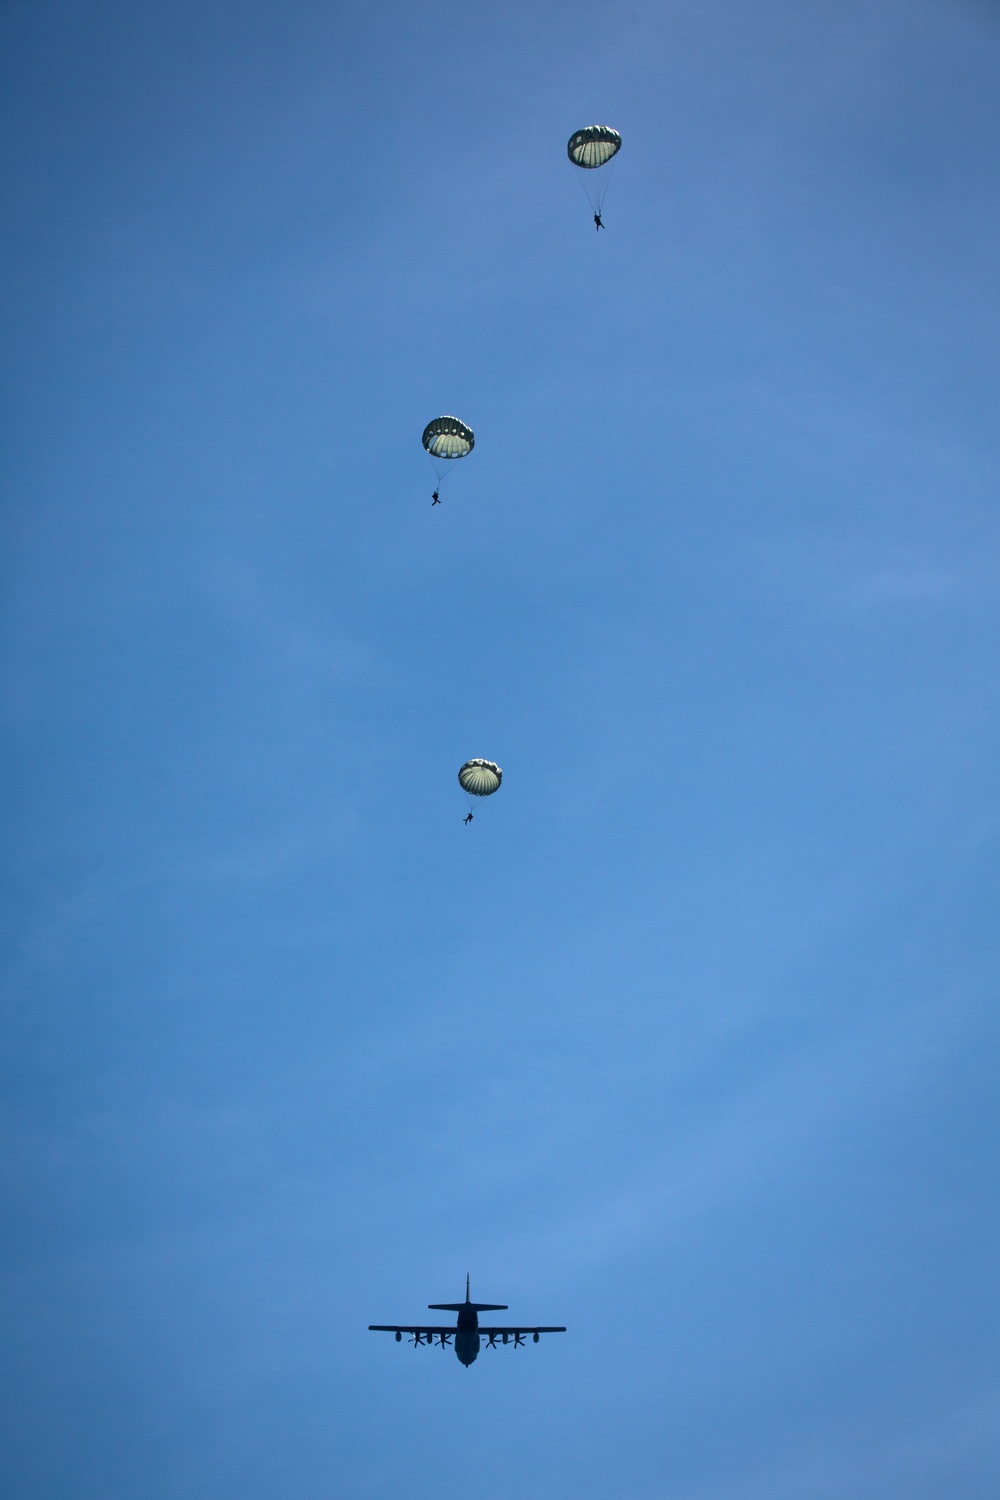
{"x": 593, "y": 146}
{"x": 447, "y": 437}
{"x": 480, "y": 778}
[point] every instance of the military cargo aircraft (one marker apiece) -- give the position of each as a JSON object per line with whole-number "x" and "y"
{"x": 466, "y": 1331}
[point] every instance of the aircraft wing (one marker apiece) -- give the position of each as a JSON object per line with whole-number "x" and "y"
{"x": 401, "y": 1328}
{"x": 517, "y": 1334}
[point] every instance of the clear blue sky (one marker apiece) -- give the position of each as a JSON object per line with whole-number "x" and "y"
{"x": 690, "y": 1041}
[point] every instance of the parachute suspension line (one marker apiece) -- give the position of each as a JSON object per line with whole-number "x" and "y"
{"x": 601, "y": 183}
{"x": 585, "y": 189}
{"x": 442, "y": 471}
{"x": 607, "y": 182}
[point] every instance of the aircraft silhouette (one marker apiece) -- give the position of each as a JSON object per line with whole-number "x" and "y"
{"x": 466, "y": 1332}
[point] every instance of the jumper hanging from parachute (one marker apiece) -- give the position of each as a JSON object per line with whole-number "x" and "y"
{"x": 444, "y": 440}
{"x": 479, "y": 778}
{"x": 591, "y": 149}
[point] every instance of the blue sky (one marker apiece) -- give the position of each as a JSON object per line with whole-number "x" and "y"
{"x": 690, "y": 1041}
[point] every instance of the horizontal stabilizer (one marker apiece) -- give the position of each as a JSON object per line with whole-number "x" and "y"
{"x": 467, "y": 1306}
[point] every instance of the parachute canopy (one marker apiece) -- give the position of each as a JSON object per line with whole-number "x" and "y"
{"x": 480, "y": 778}
{"x": 593, "y": 146}
{"x": 447, "y": 437}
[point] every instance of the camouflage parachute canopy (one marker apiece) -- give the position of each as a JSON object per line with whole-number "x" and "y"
{"x": 593, "y": 146}
{"x": 480, "y": 778}
{"x": 447, "y": 437}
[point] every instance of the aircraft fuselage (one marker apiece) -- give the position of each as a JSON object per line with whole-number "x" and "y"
{"x": 467, "y": 1335}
